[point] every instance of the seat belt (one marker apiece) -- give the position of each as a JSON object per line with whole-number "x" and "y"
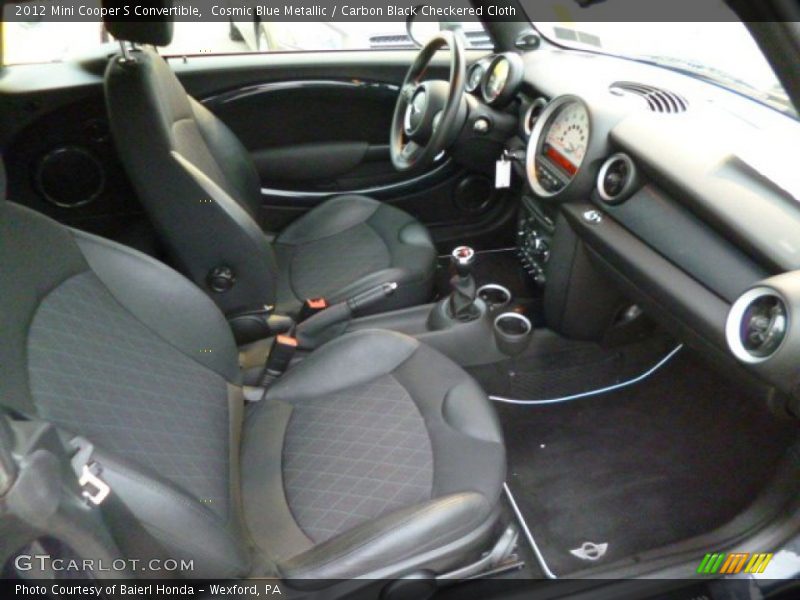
{"x": 46, "y": 464}
{"x": 87, "y": 470}
{"x": 280, "y": 355}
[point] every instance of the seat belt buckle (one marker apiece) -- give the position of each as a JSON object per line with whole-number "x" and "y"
{"x": 280, "y": 355}
{"x": 94, "y": 489}
{"x": 312, "y": 306}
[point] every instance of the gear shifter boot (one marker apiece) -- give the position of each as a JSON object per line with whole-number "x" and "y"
{"x": 462, "y": 297}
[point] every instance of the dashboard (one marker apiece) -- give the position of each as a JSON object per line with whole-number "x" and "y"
{"x": 672, "y": 187}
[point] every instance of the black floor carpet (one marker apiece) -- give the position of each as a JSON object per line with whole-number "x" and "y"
{"x": 554, "y": 367}
{"x": 667, "y": 459}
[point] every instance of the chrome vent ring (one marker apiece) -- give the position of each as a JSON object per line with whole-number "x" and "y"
{"x": 757, "y": 325}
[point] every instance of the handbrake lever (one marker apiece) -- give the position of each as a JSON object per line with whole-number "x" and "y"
{"x": 315, "y": 330}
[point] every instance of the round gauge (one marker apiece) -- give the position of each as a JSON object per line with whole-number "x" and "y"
{"x": 567, "y": 137}
{"x": 496, "y": 81}
{"x": 502, "y": 78}
{"x": 475, "y": 76}
{"x": 558, "y": 145}
{"x": 532, "y": 114}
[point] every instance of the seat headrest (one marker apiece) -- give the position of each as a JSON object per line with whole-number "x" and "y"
{"x": 155, "y": 30}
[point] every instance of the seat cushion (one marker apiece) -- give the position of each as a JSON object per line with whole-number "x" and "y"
{"x": 371, "y": 452}
{"x": 106, "y": 343}
{"x": 348, "y": 245}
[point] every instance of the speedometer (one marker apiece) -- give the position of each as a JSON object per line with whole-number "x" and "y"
{"x": 567, "y": 138}
{"x": 558, "y": 145}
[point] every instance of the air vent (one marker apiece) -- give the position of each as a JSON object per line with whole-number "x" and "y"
{"x": 616, "y": 178}
{"x": 658, "y": 100}
{"x": 757, "y": 325}
{"x": 533, "y": 113}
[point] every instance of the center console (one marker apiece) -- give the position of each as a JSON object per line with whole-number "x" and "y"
{"x": 472, "y": 326}
{"x": 535, "y": 229}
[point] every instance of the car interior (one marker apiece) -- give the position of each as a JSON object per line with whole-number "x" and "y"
{"x": 423, "y": 314}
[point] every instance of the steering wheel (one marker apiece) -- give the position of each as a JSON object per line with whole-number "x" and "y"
{"x": 429, "y": 115}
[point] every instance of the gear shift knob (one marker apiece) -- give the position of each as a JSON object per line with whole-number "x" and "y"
{"x": 462, "y": 298}
{"x": 463, "y": 257}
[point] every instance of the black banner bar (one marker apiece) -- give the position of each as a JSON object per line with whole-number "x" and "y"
{"x": 372, "y": 10}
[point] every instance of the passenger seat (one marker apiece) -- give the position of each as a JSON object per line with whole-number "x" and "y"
{"x": 374, "y": 456}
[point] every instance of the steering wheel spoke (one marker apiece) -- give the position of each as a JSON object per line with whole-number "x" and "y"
{"x": 411, "y": 151}
{"x": 407, "y": 91}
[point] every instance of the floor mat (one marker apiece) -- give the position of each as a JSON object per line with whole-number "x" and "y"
{"x": 667, "y": 459}
{"x": 554, "y": 367}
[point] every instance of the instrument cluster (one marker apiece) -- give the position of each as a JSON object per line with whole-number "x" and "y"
{"x": 496, "y": 79}
{"x": 558, "y": 145}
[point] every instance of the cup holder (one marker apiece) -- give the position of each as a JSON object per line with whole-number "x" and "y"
{"x": 494, "y": 295}
{"x": 513, "y": 332}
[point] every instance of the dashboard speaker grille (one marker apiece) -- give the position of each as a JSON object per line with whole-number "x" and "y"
{"x": 657, "y": 99}
{"x": 70, "y": 176}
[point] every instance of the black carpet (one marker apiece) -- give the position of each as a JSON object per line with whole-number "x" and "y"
{"x": 554, "y": 367}
{"x": 667, "y": 459}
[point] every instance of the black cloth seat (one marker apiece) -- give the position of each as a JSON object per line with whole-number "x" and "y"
{"x": 201, "y": 189}
{"x": 350, "y": 244}
{"x": 375, "y": 455}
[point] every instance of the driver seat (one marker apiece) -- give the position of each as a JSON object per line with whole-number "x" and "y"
{"x": 201, "y": 189}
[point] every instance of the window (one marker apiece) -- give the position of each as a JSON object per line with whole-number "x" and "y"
{"x": 51, "y": 41}
{"x": 721, "y": 51}
{"x": 270, "y": 36}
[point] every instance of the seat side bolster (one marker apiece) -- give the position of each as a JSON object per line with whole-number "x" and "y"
{"x": 231, "y": 156}
{"x": 245, "y": 248}
{"x": 181, "y": 315}
{"x": 184, "y": 528}
{"x": 465, "y": 432}
{"x": 378, "y": 546}
{"x": 275, "y": 532}
{"x": 410, "y": 246}
{"x": 329, "y": 218}
{"x": 466, "y": 409}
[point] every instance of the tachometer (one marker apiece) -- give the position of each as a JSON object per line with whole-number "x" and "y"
{"x": 502, "y": 78}
{"x": 496, "y": 81}
{"x": 558, "y": 145}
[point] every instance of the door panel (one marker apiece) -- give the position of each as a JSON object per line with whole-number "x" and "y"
{"x": 317, "y": 124}
{"x": 321, "y": 135}
{"x": 308, "y": 143}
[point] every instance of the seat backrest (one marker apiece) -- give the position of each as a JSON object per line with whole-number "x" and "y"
{"x": 111, "y": 345}
{"x": 193, "y": 176}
